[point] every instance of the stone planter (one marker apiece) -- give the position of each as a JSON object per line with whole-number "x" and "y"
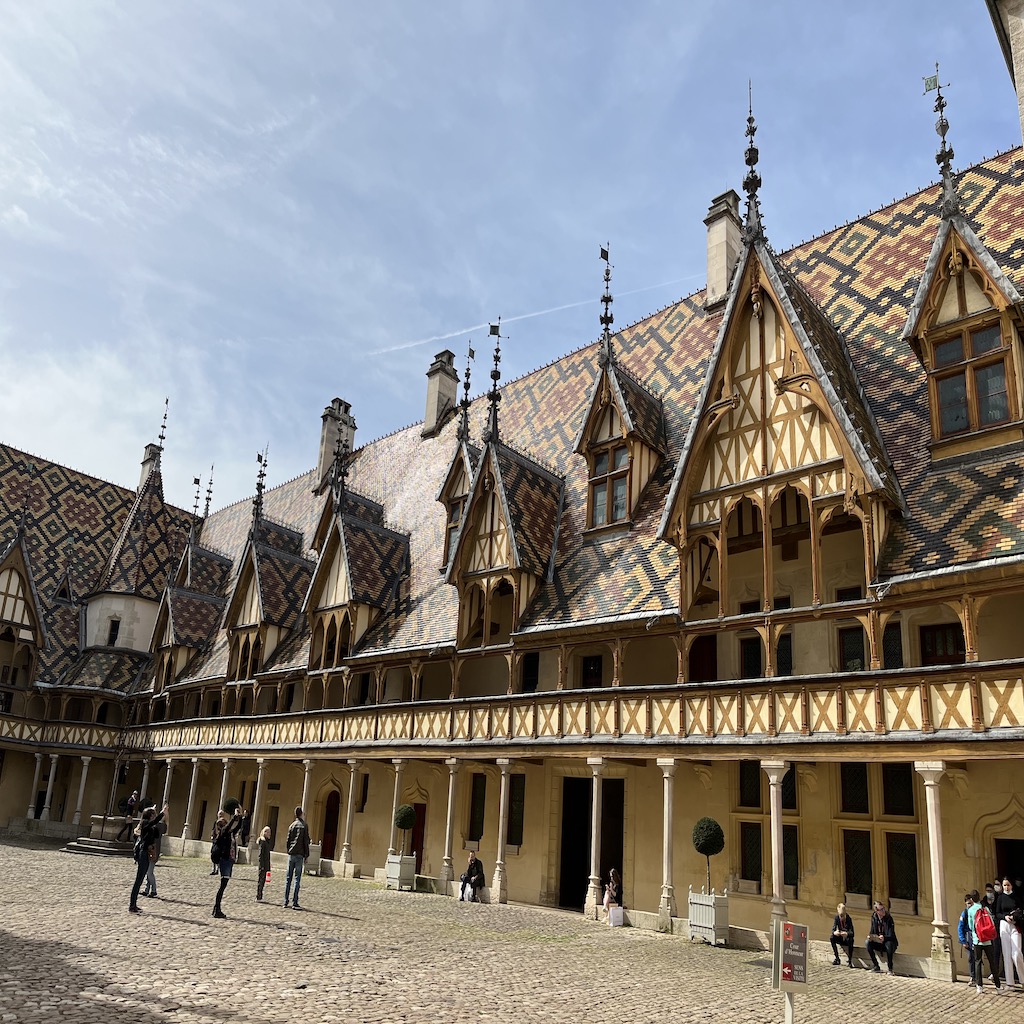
{"x": 401, "y": 872}
{"x": 709, "y": 916}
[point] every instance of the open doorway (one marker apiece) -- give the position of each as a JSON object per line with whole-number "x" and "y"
{"x": 330, "y": 837}
{"x": 574, "y": 861}
{"x": 1010, "y": 859}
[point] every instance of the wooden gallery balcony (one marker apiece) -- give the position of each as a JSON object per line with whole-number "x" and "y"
{"x": 956, "y": 711}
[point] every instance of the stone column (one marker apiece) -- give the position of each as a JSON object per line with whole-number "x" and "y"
{"x": 307, "y": 773}
{"x": 941, "y": 965}
{"x": 594, "y": 895}
{"x": 776, "y": 770}
{"x": 45, "y": 816}
{"x": 81, "y": 791}
{"x": 186, "y": 829}
{"x": 31, "y": 812}
{"x": 226, "y": 761}
{"x": 447, "y": 869}
{"x": 346, "y": 846}
{"x": 399, "y": 764}
{"x": 143, "y": 789}
{"x": 257, "y": 802}
{"x": 499, "y": 883}
{"x": 169, "y": 774}
{"x": 667, "y": 907}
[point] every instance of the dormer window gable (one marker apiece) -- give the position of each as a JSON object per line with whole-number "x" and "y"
{"x": 244, "y": 622}
{"x": 22, "y": 634}
{"x": 623, "y": 441}
{"x": 965, "y": 328}
{"x": 454, "y": 493}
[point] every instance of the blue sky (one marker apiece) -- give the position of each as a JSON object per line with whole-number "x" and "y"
{"x": 252, "y": 207}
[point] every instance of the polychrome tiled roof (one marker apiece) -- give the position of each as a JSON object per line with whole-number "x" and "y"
{"x": 107, "y": 669}
{"x": 852, "y": 291}
{"x": 194, "y": 616}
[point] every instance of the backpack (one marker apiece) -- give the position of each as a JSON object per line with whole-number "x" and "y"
{"x": 984, "y": 926}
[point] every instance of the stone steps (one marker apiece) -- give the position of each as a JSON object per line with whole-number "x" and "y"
{"x": 99, "y": 847}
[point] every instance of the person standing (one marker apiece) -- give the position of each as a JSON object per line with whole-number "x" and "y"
{"x": 129, "y": 814}
{"x": 263, "y": 848}
{"x": 148, "y": 834}
{"x": 982, "y": 946}
{"x": 881, "y": 935}
{"x": 297, "y": 846}
{"x": 224, "y": 852}
{"x": 992, "y": 889}
{"x": 1009, "y": 936}
{"x": 966, "y": 936}
{"x": 842, "y": 935}
{"x": 154, "y": 855}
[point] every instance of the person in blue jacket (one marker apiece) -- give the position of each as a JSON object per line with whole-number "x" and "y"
{"x": 966, "y": 936}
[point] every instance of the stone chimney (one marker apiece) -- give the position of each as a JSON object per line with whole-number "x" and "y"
{"x": 724, "y": 243}
{"x": 442, "y": 392}
{"x": 337, "y": 422}
{"x": 150, "y": 461}
{"x": 1008, "y": 21}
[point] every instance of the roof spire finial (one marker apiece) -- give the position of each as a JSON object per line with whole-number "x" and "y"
{"x": 257, "y": 501}
{"x": 209, "y": 494}
{"x": 340, "y": 474}
{"x": 494, "y": 395}
{"x": 607, "y": 353}
{"x": 463, "y": 432}
{"x": 195, "y": 504}
{"x": 163, "y": 426}
{"x": 944, "y": 158}
{"x": 752, "y": 182}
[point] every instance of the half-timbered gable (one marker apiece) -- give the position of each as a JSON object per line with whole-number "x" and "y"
{"x": 356, "y": 578}
{"x": 505, "y": 547}
{"x": 22, "y": 629}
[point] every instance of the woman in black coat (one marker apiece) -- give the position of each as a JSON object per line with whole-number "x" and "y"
{"x": 842, "y": 935}
{"x": 145, "y": 846}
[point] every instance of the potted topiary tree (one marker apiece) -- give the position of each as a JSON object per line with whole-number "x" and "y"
{"x": 401, "y": 869}
{"x": 708, "y": 911}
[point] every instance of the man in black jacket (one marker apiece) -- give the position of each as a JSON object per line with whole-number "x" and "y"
{"x": 297, "y": 846}
{"x": 472, "y": 880}
{"x": 881, "y": 935}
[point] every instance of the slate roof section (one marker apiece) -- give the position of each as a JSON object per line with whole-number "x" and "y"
{"x": 283, "y": 579}
{"x": 207, "y": 571}
{"x": 533, "y": 507}
{"x": 377, "y": 559}
{"x": 194, "y": 617}
{"x": 148, "y": 542}
{"x": 641, "y": 411}
{"x": 108, "y": 669}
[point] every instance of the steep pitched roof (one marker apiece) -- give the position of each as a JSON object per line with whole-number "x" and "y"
{"x": 143, "y": 552}
{"x": 194, "y": 617}
{"x": 107, "y": 669}
{"x": 641, "y": 411}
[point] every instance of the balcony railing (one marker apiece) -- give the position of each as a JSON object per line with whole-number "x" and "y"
{"x": 912, "y": 704}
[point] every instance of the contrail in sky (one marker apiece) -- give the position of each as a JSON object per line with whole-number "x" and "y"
{"x": 522, "y": 316}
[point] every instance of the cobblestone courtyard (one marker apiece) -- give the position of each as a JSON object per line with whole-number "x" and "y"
{"x": 70, "y": 953}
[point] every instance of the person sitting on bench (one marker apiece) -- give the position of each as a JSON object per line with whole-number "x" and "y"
{"x": 472, "y": 880}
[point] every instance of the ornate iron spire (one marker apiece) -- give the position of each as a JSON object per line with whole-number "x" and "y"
{"x": 752, "y": 182}
{"x": 209, "y": 494}
{"x": 944, "y": 158}
{"x": 340, "y": 474}
{"x": 607, "y": 354}
{"x": 494, "y": 395}
{"x": 195, "y": 504}
{"x": 463, "y": 432}
{"x": 163, "y": 429}
{"x": 257, "y": 501}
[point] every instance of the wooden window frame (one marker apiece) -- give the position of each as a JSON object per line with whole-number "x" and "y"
{"x": 968, "y": 367}
{"x": 607, "y": 479}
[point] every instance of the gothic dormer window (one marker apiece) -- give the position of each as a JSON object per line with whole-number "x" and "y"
{"x": 609, "y": 481}
{"x": 455, "y": 504}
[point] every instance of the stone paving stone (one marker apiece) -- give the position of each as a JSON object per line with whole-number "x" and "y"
{"x": 71, "y": 954}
